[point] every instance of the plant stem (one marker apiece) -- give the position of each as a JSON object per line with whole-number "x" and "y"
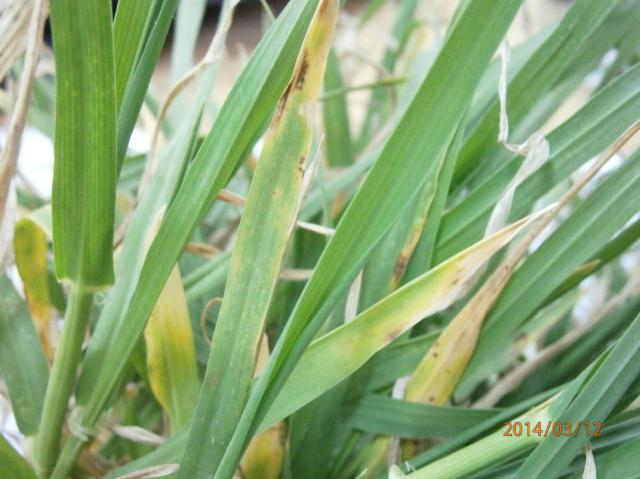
{"x": 72, "y": 448}
{"x": 491, "y": 450}
{"x": 62, "y": 379}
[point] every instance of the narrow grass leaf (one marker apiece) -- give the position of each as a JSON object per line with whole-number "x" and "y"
{"x": 348, "y": 347}
{"x": 22, "y": 360}
{"x": 594, "y": 402}
{"x": 536, "y": 77}
{"x": 12, "y": 464}
{"x": 264, "y": 458}
{"x": 30, "y": 246}
{"x": 393, "y": 362}
{"x": 380, "y": 103}
{"x": 425, "y": 234}
{"x": 612, "y": 250}
{"x": 187, "y": 27}
{"x": 268, "y": 220}
{"x": 378, "y": 414}
{"x": 84, "y": 177}
{"x": 238, "y": 124}
{"x": 335, "y": 114}
{"x": 620, "y": 462}
{"x": 83, "y": 195}
{"x": 140, "y": 77}
{"x": 586, "y": 133}
{"x": 129, "y": 36}
{"x": 389, "y": 185}
{"x": 592, "y": 224}
{"x": 171, "y": 355}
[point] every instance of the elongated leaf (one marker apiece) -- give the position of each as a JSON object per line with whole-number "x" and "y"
{"x": 242, "y": 116}
{"x": 263, "y": 234}
{"x": 188, "y": 20}
{"x": 536, "y": 77}
{"x": 348, "y": 347}
{"x": 407, "y": 159}
{"x": 84, "y": 177}
{"x": 83, "y": 196}
{"x": 187, "y": 29}
{"x": 478, "y": 430}
{"x": 171, "y": 355}
{"x": 12, "y": 464}
{"x": 389, "y": 262}
{"x": 132, "y": 16}
{"x": 131, "y": 257}
{"x": 497, "y": 448}
{"x": 605, "y": 117}
{"x": 609, "y": 252}
{"x": 31, "y": 252}
{"x": 336, "y": 118}
{"x": 379, "y": 107}
{"x": 316, "y": 427}
{"x": 593, "y": 344}
{"x": 393, "y": 362}
{"x": 619, "y": 463}
{"x": 140, "y": 77}
{"x": 422, "y": 255}
{"x": 604, "y": 212}
{"x": 264, "y": 457}
{"x": 22, "y": 361}
{"x": 382, "y": 415}
{"x": 594, "y": 403}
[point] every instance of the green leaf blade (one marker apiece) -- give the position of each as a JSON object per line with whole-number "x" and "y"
{"x": 84, "y": 178}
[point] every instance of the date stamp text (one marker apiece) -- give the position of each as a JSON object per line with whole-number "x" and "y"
{"x": 552, "y": 428}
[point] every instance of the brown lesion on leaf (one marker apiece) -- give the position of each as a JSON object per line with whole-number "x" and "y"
{"x": 297, "y": 83}
{"x": 324, "y": 7}
{"x": 400, "y": 268}
{"x": 301, "y": 73}
{"x": 521, "y": 337}
{"x": 393, "y": 335}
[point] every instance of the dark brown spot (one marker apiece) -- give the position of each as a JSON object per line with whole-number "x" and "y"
{"x": 281, "y": 105}
{"x": 400, "y": 267}
{"x": 324, "y": 5}
{"x": 392, "y": 336}
{"x": 302, "y": 70}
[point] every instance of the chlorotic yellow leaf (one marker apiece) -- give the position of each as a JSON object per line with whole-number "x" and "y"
{"x": 31, "y": 253}
{"x": 272, "y": 206}
{"x": 171, "y": 356}
{"x": 348, "y": 347}
{"x": 264, "y": 457}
